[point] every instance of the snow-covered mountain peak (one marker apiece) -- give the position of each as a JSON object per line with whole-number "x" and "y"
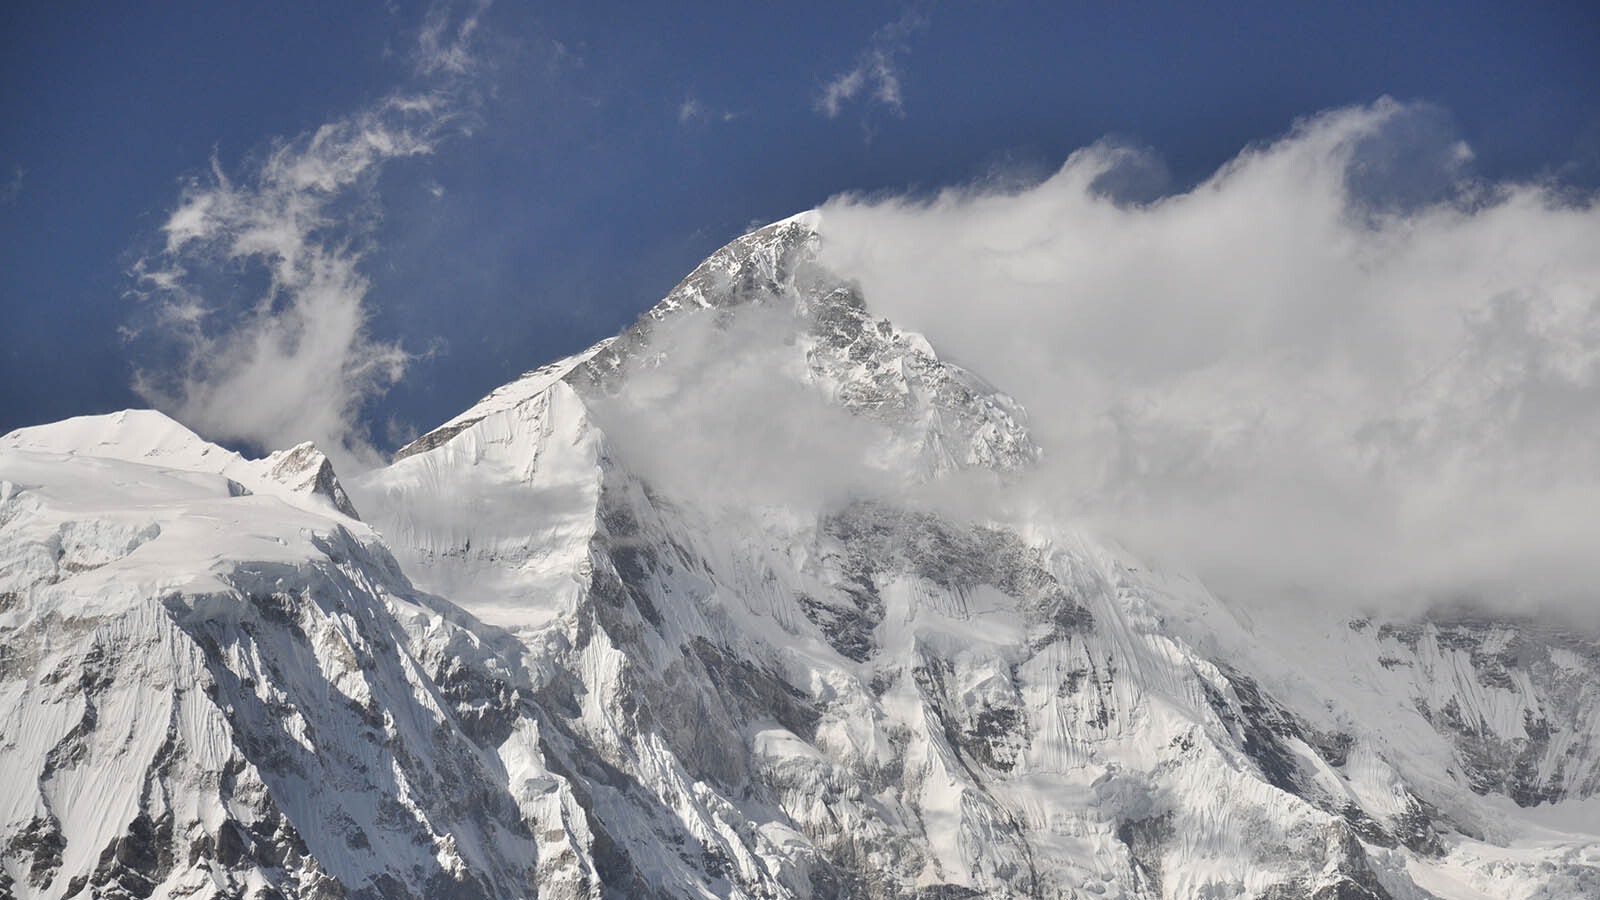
{"x": 945, "y": 417}
{"x": 217, "y": 683}
{"x": 302, "y": 476}
{"x": 866, "y": 699}
{"x": 517, "y": 478}
{"x": 763, "y": 263}
{"x": 825, "y": 337}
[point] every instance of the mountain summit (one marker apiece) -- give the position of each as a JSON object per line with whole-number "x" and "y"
{"x": 578, "y": 645}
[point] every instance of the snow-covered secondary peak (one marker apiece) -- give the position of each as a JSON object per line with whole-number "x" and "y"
{"x": 306, "y": 470}
{"x": 302, "y": 475}
{"x": 136, "y": 435}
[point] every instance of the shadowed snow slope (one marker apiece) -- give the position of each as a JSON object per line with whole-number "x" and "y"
{"x": 688, "y": 661}
{"x": 214, "y": 692}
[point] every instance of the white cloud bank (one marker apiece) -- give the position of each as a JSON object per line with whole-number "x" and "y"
{"x": 1338, "y": 362}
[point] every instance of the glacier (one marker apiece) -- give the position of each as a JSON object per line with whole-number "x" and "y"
{"x": 520, "y": 661}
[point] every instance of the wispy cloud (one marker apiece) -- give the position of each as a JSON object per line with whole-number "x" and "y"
{"x": 12, "y": 189}
{"x": 254, "y": 325}
{"x": 875, "y": 77}
{"x": 693, "y": 110}
{"x": 1340, "y": 364}
{"x": 445, "y": 42}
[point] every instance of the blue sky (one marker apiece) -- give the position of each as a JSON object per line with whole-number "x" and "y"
{"x": 593, "y": 153}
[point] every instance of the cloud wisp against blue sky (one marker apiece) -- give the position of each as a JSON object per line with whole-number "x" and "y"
{"x": 875, "y": 76}
{"x": 256, "y": 304}
{"x": 255, "y": 319}
{"x": 445, "y": 41}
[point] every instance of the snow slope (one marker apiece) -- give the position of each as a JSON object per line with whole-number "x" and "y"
{"x": 211, "y": 691}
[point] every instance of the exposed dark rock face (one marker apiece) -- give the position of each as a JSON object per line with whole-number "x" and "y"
{"x": 39, "y": 845}
{"x": 1544, "y": 671}
{"x": 1263, "y": 727}
{"x": 879, "y": 538}
{"x": 1348, "y": 876}
{"x": 849, "y": 625}
{"x": 1145, "y": 839}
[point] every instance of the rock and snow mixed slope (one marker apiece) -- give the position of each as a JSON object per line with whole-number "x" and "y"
{"x": 218, "y": 682}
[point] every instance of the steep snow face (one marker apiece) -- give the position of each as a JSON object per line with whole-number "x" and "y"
{"x": 209, "y": 691}
{"x": 500, "y": 516}
{"x": 918, "y": 705}
{"x": 1503, "y": 706}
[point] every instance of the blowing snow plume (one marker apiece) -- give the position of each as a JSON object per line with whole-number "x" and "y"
{"x": 254, "y": 327}
{"x": 1339, "y": 365}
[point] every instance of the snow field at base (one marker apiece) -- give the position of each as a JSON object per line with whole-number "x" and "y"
{"x": 1528, "y": 870}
